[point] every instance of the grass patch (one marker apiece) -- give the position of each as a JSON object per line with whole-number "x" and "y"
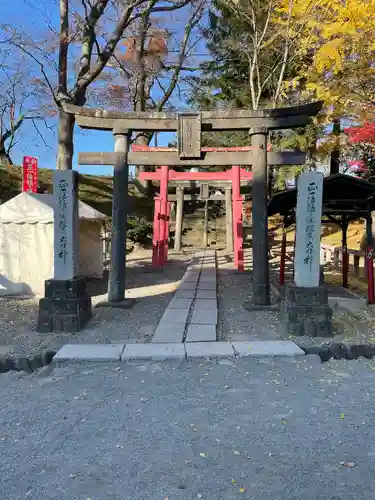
{"x": 94, "y": 190}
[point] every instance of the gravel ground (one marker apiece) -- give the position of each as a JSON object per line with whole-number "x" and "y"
{"x": 235, "y": 322}
{"x": 264, "y": 429}
{"x": 153, "y": 289}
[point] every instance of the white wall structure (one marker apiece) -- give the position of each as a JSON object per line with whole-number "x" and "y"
{"x": 27, "y": 240}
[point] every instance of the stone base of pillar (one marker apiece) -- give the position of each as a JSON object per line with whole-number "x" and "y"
{"x": 305, "y": 311}
{"x": 261, "y": 294}
{"x": 66, "y": 306}
{"x": 121, "y": 304}
{"x": 249, "y": 306}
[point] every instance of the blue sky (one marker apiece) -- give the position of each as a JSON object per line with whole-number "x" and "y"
{"x": 30, "y": 16}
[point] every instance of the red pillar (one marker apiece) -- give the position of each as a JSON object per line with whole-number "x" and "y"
{"x": 282, "y": 257}
{"x": 163, "y": 213}
{"x": 237, "y": 219}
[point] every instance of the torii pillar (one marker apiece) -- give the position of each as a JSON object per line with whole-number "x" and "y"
{"x": 261, "y": 281}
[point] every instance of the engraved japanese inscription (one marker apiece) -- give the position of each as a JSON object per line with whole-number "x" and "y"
{"x": 309, "y": 214}
{"x": 189, "y": 135}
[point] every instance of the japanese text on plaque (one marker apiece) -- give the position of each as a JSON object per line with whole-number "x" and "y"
{"x": 62, "y": 207}
{"x": 309, "y": 256}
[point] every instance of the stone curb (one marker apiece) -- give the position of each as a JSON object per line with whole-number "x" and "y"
{"x": 28, "y": 364}
{"x": 189, "y": 350}
{"x": 340, "y": 350}
{"x": 90, "y": 352}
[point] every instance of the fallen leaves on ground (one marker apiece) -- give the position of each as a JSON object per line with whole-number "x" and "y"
{"x": 348, "y": 464}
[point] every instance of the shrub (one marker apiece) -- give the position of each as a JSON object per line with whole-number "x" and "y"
{"x": 139, "y": 230}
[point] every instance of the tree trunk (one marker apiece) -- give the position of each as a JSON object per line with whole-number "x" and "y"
{"x": 5, "y": 159}
{"x": 335, "y": 154}
{"x": 65, "y": 148}
{"x": 142, "y": 140}
{"x": 143, "y": 186}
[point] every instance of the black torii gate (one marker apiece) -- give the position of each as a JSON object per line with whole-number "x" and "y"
{"x": 189, "y": 127}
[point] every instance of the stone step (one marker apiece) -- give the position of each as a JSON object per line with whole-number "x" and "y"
{"x": 176, "y": 350}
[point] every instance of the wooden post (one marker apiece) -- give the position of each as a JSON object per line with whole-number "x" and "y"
{"x": 116, "y": 281}
{"x": 229, "y": 218}
{"x": 237, "y": 218}
{"x": 370, "y": 260}
{"x": 166, "y": 246}
{"x": 356, "y": 265}
{"x": 179, "y": 218}
{"x": 336, "y": 257}
{"x": 283, "y": 256}
{"x": 156, "y": 233}
{"x": 261, "y": 285}
{"x": 164, "y": 213}
{"x": 344, "y": 250}
{"x": 205, "y": 225}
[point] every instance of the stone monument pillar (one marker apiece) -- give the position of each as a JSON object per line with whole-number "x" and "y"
{"x": 66, "y": 306}
{"x": 305, "y": 310}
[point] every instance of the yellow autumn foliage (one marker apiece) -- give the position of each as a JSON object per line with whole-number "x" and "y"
{"x": 338, "y": 37}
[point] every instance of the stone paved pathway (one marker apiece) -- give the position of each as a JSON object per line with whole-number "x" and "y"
{"x": 191, "y": 315}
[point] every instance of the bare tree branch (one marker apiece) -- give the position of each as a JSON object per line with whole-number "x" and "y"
{"x": 89, "y": 35}
{"x": 192, "y": 23}
{"x": 43, "y": 71}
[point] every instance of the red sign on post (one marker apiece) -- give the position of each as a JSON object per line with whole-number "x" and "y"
{"x": 30, "y": 174}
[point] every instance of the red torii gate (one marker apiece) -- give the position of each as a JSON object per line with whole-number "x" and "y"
{"x": 162, "y": 206}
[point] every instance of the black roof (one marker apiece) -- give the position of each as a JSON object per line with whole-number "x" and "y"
{"x": 341, "y": 194}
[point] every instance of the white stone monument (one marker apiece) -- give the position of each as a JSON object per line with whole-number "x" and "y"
{"x": 66, "y": 239}
{"x": 305, "y": 309}
{"x": 308, "y": 229}
{"x": 66, "y": 306}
